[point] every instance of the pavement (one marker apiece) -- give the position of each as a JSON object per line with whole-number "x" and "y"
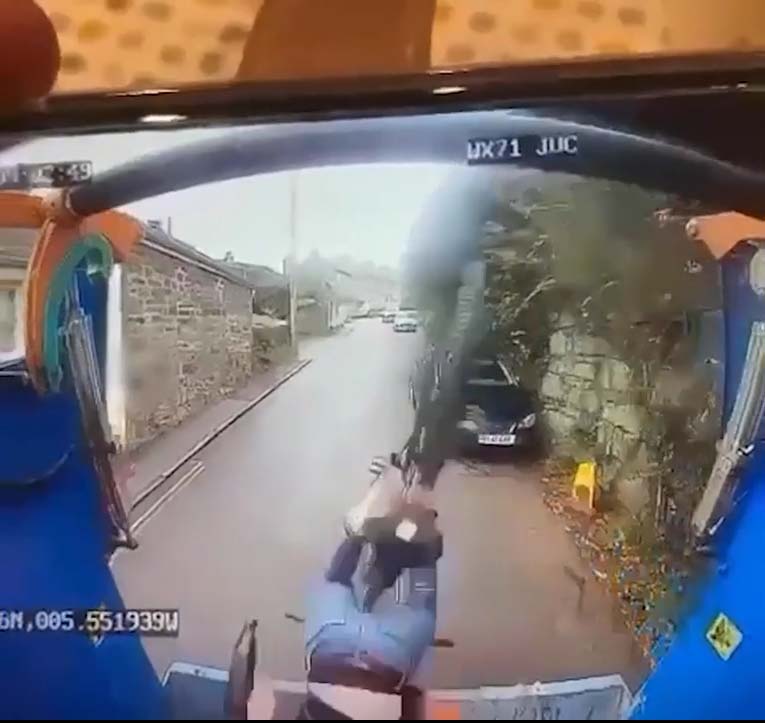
{"x": 155, "y": 461}
{"x": 257, "y": 518}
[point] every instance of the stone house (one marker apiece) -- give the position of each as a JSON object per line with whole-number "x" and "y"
{"x": 271, "y": 289}
{"x": 322, "y": 315}
{"x": 186, "y": 335}
{"x": 180, "y": 331}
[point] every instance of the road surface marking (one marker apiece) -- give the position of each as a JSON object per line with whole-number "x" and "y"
{"x": 197, "y": 468}
{"x": 216, "y": 432}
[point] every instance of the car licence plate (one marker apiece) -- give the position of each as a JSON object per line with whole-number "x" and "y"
{"x": 506, "y": 440}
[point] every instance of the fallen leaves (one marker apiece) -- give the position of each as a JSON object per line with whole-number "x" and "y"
{"x": 638, "y": 579}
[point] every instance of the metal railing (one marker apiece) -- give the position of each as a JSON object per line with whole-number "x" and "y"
{"x": 737, "y": 443}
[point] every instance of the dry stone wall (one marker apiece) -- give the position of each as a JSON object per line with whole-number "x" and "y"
{"x": 188, "y": 341}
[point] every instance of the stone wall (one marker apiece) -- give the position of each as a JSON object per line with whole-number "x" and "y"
{"x": 589, "y": 398}
{"x": 624, "y": 415}
{"x": 312, "y": 319}
{"x": 604, "y": 307}
{"x": 271, "y": 343}
{"x": 187, "y": 340}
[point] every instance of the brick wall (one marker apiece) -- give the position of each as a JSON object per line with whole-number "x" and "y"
{"x": 187, "y": 341}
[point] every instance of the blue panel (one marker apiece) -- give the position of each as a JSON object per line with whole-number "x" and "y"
{"x": 53, "y": 544}
{"x": 24, "y": 459}
{"x": 692, "y": 681}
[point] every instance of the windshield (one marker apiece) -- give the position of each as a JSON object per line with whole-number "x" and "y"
{"x": 253, "y": 366}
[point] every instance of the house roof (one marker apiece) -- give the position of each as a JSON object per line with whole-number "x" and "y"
{"x": 159, "y": 240}
{"x": 16, "y": 246}
{"x": 257, "y": 274}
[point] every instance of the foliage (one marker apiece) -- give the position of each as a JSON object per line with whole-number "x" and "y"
{"x": 597, "y": 254}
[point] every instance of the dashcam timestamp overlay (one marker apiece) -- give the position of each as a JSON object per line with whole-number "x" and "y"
{"x": 61, "y": 174}
{"x": 94, "y": 622}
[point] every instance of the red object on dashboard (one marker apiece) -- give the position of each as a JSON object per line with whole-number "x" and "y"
{"x": 29, "y": 54}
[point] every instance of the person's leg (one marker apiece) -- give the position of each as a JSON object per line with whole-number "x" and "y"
{"x": 344, "y": 561}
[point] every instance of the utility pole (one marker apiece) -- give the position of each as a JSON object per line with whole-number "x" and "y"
{"x": 291, "y": 261}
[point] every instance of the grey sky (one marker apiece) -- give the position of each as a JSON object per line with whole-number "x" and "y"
{"x": 366, "y": 211}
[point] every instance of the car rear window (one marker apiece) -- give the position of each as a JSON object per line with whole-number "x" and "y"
{"x": 486, "y": 371}
{"x": 497, "y": 399}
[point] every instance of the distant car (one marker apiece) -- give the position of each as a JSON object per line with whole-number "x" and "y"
{"x": 406, "y": 320}
{"x": 388, "y": 316}
{"x": 497, "y": 410}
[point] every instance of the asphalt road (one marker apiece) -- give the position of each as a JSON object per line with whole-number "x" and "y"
{"x": 254, "y": 530}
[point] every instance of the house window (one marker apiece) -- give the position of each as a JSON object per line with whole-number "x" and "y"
{"x": 10, "y": 323}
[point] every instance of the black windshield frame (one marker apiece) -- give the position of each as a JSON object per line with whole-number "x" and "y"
{"x": 656, "y": 95}
{"x": 707, "y": 107}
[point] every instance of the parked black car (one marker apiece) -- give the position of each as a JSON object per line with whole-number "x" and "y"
{"x": 496, "y": 411}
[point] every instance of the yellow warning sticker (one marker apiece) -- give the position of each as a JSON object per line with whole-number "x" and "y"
{"x": 724, "y": 636}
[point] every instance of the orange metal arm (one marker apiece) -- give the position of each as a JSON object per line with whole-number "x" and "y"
{"x": 721, "y": 232}
{"x": 21, "y": 210}
{"x": 122, "y": 232}
{"x": 58, "y": 232}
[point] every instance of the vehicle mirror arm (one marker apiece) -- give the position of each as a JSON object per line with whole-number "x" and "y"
{"x": 600, "y": 152}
